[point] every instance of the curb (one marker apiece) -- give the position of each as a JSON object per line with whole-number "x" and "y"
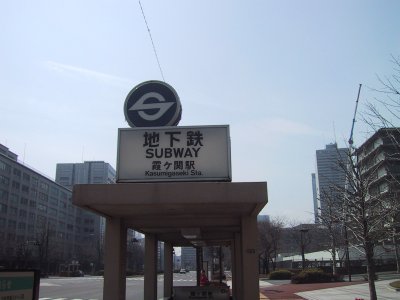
{"x": 393, "y": 288}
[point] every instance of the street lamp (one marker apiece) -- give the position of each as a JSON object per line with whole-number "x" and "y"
{"x": 346, "y": 241}
{"x": 173, "y": 259}
{"x": 303, "y": 231}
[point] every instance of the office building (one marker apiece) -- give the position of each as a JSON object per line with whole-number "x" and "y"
{"x": 379, "y": 160}
{"x": 315, "y": 197}
{"x": 39, "y": 226}
{"x": 329, "y": 179}
{"x": 263, "y": 218}
{"x": 69, "y": 174}
{"x": 188, "y": 258}
{"x": 88, "y": 172}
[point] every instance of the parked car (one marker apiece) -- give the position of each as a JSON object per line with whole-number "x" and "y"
{"x": 77, "y": 273}
{"x": 182, "y": 271}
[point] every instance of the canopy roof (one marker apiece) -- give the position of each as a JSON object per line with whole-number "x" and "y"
{"x": 180, "y": 213}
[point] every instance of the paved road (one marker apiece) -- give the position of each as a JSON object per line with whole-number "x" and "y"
{"x": 91, "y": 288}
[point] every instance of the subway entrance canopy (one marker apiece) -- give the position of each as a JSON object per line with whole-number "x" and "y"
{"x": 180, "y": 213}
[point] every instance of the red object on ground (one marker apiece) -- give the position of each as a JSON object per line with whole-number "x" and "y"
{"x": 203, "y": 279}
{"x": 288, "y": 291}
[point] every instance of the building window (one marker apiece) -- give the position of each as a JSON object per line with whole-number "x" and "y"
{"x": 21, "y": 226}
{"x": 33, "y": 193}
{"x": 41, "y": 221}
{"x": 23, "y": 213}
{"x": 3, "y": 208}
{"x": 25, "y": 189}
{"x": 3, "y": 195}
{"x": 44, "y": 186}
{"x": 54, "y": 191}
{"x": 32, "y": 203}
{"x": 17, "y": 173}
{"x": 14, "y": 199}
{"x": 4, "y": 180}
{"x": 62, "y": 215}
{"x": 43, "y": 197}
{"x": 13, "y": 211}
{"x": 61, "y": 225}
{"x": 98, "y": 180}
{"x": 12, "y": 224}
{"x": 15, "y": 185}
{"x": 53, "y": 201}
{"x": 35, "y": 182}
{"x": 53, "y": 212}
{"x": 31, "y": 230}
{"x": 26, "y": 177}
{"x": 5, "y": 167}
{"x": 42, "y": 208}
{"x": 24, "y": 201}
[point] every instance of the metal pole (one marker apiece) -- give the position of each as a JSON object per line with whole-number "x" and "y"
{"x": 347, "y": 252}
{"x": 302, "y": 249}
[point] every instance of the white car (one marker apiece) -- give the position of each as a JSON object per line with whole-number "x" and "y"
{"x": 182, "y": 271}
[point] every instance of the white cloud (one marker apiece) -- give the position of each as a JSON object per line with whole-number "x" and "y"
{"x": 90, "y": 74}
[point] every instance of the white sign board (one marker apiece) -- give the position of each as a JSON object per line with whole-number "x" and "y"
{"x": 186, "y": 153}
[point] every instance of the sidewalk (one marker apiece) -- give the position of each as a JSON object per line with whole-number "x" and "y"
{"x": 359, "y": 291}
{"x": 327, "y": 291}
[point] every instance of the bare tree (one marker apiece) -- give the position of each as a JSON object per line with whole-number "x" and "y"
{"x": 332, "y": 219}
{"x": 270, "y": 234}
{"x": 384, "y": 112}
{"x": 23, "y": 255}
{"x": 135, "y": 254}
{"x": 42, "y": 243}
{"x": 368, "y": 209}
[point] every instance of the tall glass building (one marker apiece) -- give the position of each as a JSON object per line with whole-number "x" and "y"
{"x": 329, "y": 177}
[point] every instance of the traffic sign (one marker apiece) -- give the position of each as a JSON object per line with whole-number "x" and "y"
{"x": 152, "y": 104}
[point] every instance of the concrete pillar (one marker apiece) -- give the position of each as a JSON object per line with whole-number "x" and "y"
{"x": 115, "y": 260}
{"x": 237, "y": 268}
{"x": 199, "y": 263}
{"x": 150, "y": 267}
{"x": 168, "y": 270}
{"x": 251, "y": 286}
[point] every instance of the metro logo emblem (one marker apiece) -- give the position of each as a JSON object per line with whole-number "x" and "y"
{"x": 141, "y": 106}
{"x": 152, "y": 104}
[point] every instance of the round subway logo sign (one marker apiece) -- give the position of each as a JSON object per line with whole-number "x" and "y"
{"x": 152, "y": 104}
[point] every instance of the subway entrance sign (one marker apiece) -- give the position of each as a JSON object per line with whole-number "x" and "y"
{"x": 19, "y": 284}
{"x": 186, "y": 153}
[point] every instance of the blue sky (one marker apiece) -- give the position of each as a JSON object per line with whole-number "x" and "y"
{"x": 283, "y": 74}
